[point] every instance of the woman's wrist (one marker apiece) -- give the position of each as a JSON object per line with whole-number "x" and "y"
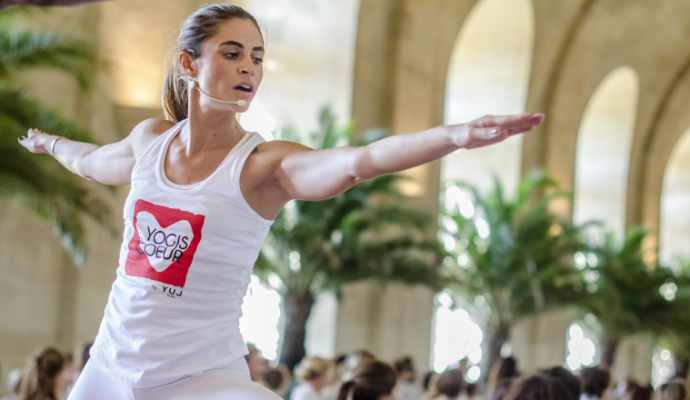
{"x": 47, "y": 143}
{"x": 457, "y": 135}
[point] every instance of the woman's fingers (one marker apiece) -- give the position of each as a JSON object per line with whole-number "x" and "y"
{"x": 509, "y": 120}
{"x": 494, "y": 129}
{"x": 32, "y": 140}
{"x": 514, "y": 130}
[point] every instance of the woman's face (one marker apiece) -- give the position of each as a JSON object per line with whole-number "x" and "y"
{"x": 63, "y": 378}
{"x": 230, "y": 66}
{"x": 320, "y": 382}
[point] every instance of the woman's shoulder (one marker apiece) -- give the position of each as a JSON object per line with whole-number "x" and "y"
{"x": 276, "y": 150}
{"x": 146, "y": 132}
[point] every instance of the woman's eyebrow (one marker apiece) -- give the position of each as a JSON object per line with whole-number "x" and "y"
{"x": 241, "y": 46}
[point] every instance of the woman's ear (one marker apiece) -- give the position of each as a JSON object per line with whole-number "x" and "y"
{"x": 187, "y": 64}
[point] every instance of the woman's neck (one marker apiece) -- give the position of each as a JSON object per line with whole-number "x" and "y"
{"x": 210, "y": 128}
{"x": 316, "y": 385}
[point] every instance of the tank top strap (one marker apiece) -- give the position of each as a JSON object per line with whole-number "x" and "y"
{"x": 232, "y": 170}
{"x": 147, "y": 162}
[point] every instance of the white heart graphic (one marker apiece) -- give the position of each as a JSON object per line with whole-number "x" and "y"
{"x": 159, "y": 248}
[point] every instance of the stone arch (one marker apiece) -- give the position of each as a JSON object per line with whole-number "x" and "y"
{"x": 671, "y": 124}
{"x": 604, "y": 143}
{"x": 561, "y": 141}
{"x": 674, "y": 226}
{"x": 595, "y": 50}
{"x": 489, "y": 73}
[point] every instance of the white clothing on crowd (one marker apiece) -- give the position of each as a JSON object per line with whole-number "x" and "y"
{"x": 305, "y": 391}
{"x": 585, "y": 396}
{"x": 231, "y": 382}
{"x": 405, "y": 390}
{"x": 185, "y": 264}
{"x": 13, "y": 379}
{"x": 330, "y": 392}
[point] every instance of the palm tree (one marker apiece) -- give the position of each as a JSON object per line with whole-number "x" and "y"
{"x": 677, "y": 340}
{"x": 361, "y": 234}
{"x": 513, "y": 257}
{"x": 673, "y": 326}
{"x": 628, "y": 297}
{"x": 52, "y": 193}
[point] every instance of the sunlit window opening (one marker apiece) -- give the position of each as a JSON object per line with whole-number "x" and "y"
{"x": 582, "y": 348}
{"x": 459, "y": 200}
{"x": 261, "y": 322}
{"x": 674, "y": 224}
{"x": 489, "y": 74}
{"x": 304, "y": 71}
{"x": 322, "y": 326}
{"x": 603, "y": 151}
{"x": 582, "y": 260}
{"x": 456, "y": 336}
{"x": 663, "y": 368}
{"x": 258, "y": 120}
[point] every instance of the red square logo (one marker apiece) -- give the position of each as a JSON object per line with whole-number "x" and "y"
{"x": 164, "y": 242}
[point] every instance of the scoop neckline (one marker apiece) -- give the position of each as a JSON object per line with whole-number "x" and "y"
{"x": 166, "y": 183}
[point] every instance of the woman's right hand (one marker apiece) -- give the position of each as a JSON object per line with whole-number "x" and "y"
{"x": 37, "y": 141}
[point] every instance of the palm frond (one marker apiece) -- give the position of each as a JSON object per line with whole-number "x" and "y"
{"x": 21, "y": 50}
{"x": 363, "y": 233}
{"x": 52, "y": 192}
{"x": 523, "y": 262}
{"x": 9, "y": 16}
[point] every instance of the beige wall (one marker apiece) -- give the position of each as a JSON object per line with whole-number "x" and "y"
{"x": 391, "y": 322}
{"x": 540, "y": 342}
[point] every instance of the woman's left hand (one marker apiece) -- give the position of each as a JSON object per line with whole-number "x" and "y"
{"x": 492, "y": 129}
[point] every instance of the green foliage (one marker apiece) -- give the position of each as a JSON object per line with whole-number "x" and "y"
{"x": 49, "y": 190}
{"x": 513, "y": 258}
{"x": 364, "y": 233}
{"x": 628, "y": 297}
{"x": 676, "y": 334}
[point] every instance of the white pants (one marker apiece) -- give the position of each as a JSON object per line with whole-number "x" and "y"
{"x": 217, "y": 384}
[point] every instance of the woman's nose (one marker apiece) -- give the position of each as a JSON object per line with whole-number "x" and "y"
{"x": 247, "y": 66}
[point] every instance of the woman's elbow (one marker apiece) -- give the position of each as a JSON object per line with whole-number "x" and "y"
{"x": 360, "y": 165}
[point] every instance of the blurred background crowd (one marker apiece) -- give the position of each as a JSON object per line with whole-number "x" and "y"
{"x": 51, "y": 374}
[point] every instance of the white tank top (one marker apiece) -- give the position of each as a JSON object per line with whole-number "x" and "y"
{"x": 185, "y": 264}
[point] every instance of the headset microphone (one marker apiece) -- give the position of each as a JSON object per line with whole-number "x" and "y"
{"x": 194, "y": 85}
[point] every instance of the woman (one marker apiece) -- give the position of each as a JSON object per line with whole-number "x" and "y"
{"x": 374, "y": 381}
{"x": 203, "y": 195}
{"x": 450, "y": 384}
{"x": 44, "y": 378}
{"x": 595, "y": 381}
{"x": 313, "y": 376}
{"x": 256, "y": 363}
{"x": 538, "y": 387}
{"x": 672, "y": 390}
{"x": 502, "y": 377}
{"x": 406, "y": 389}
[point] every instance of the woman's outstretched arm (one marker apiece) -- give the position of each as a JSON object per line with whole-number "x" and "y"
{"x": 319, "y": 174}
{"x": 111, "y": 164}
